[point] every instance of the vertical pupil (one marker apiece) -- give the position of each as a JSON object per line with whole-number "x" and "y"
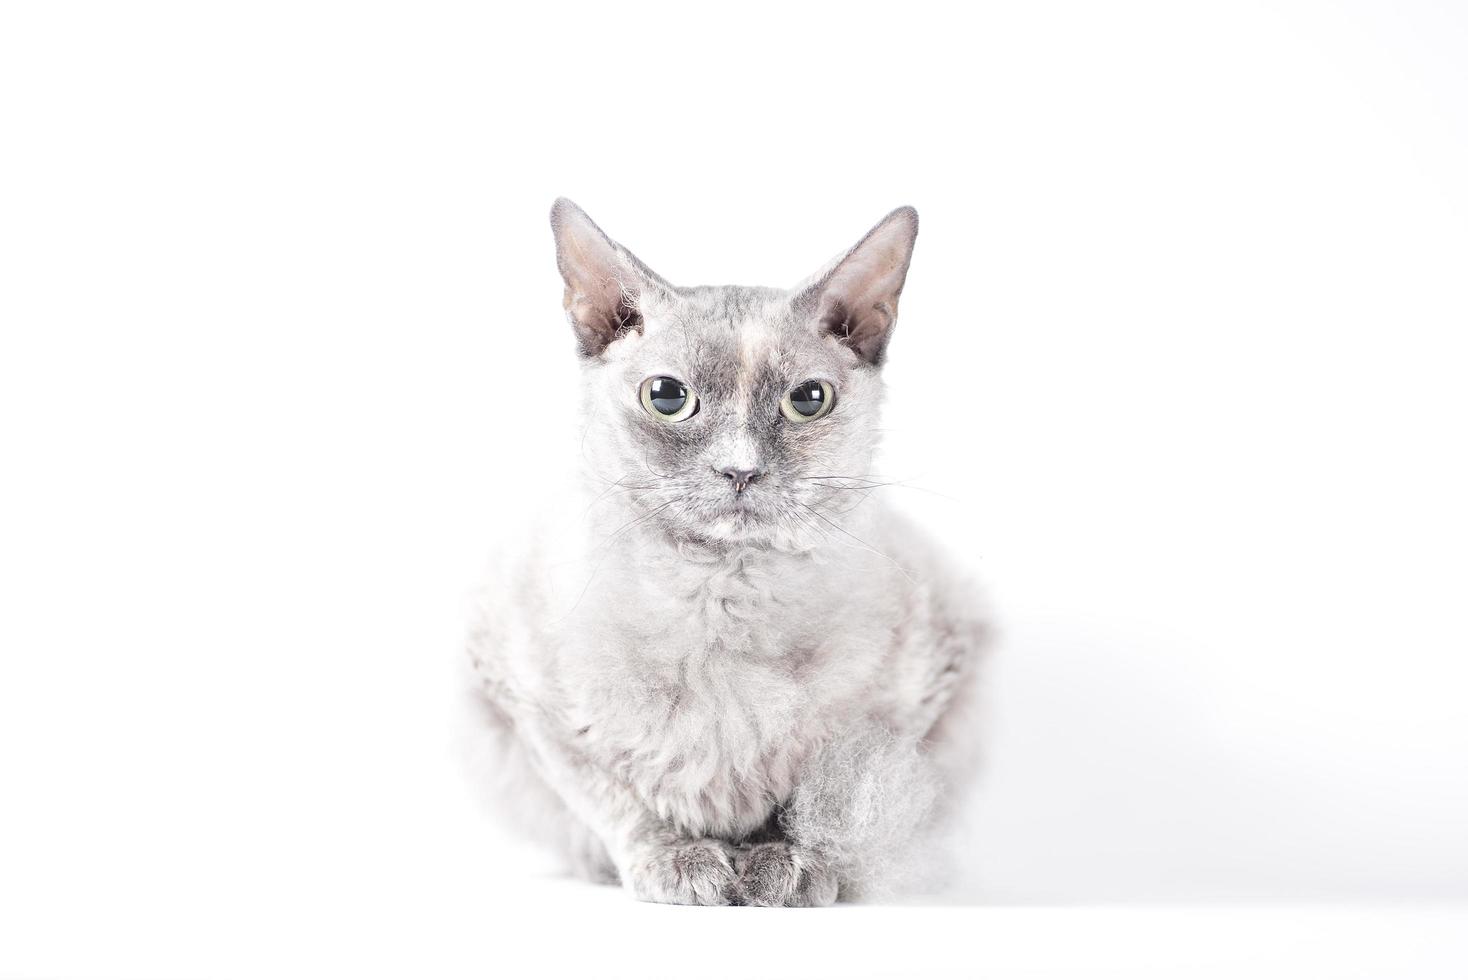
{"x": 807, "y": 398}
{"x": 667, "y": 396}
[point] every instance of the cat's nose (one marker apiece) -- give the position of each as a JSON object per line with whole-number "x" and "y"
{"x": 741, "y": 478}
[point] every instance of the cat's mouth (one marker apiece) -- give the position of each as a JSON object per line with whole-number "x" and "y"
{"x": 741, "y": 509}
{"x": 752, "y": 513}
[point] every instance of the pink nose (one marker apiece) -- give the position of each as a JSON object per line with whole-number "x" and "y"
{"x": 740, "y": 478}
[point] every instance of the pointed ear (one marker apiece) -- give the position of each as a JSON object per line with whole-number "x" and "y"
{"x": 605, "y": 283}
{"x": 854, "y": 298}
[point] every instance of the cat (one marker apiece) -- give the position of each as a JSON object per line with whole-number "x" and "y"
{"x": 729, "y": 675}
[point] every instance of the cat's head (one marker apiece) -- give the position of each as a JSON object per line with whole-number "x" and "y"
{"x": 731, "y": 413}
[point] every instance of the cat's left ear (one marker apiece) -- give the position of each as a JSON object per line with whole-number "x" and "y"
{"x": 854, "y": 298}
{"x": 605, "y": 283}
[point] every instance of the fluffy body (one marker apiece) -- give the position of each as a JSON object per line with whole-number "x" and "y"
{"x": 718, "y": 697}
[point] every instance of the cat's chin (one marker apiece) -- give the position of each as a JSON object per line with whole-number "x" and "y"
{"x": 742, "y": 527}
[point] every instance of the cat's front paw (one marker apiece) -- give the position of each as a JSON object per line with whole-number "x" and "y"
{"x": 692, "y": 872}
{"x": 777, "y": 874}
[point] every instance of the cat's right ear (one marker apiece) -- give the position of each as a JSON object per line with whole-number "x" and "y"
{"x": 605, "y": 283}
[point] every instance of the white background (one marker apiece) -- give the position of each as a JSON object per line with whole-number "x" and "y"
{"x": 1179, "y": 374}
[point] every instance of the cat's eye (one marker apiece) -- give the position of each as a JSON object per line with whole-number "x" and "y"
{"x": 808, "y": 401}
{"x": 668, "y": 399}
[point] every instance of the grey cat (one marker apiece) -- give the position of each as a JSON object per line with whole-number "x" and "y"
{"x": 727, "y": 674}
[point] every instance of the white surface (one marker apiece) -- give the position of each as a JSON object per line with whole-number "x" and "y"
{"x": 1179, "y": 370}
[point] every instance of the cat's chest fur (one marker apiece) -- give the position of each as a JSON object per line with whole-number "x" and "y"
{"x": 704, "y": 691}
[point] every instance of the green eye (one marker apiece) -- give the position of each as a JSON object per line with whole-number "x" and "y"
{"x": 808, "y": 401}
{"x": 668, "y": 399}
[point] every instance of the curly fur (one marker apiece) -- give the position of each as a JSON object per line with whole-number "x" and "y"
{"x": 864, "y": 801}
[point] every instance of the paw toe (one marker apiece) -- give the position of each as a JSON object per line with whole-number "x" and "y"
{"x": 697, "y": 872}
{"x": 775, "y": 874}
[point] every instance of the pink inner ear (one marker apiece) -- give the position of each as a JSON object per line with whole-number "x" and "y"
{"x": 864, "y": 330}
{"x": 603, "y": 280}
{"x": 601, "y": 317}
{"x": 858, "y": 298}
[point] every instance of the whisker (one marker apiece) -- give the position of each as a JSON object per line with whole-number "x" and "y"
{"x": 859, "y": 541}
{"x": 860, "y": 483}
{"x": 637, "y": 520}
{"x": 610, "y": 487}
{"x": 605, "y": 549}
{"x": 661, "y": 476}
{"x": 619, "y": 489}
